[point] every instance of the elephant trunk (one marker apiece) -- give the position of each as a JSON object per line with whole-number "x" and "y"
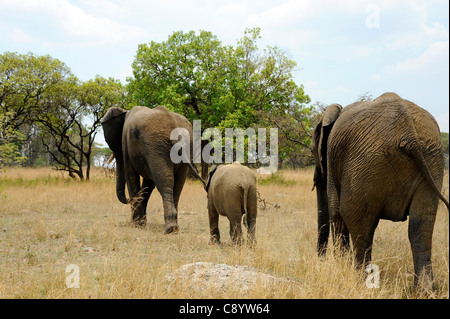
{"x": 323, "y": 213}
{"x": 120, "y": 179}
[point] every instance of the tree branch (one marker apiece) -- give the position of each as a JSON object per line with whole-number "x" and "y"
{"x": 290, "y": 138}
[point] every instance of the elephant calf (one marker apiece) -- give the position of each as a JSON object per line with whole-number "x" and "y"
{"x": 232, "y": 192}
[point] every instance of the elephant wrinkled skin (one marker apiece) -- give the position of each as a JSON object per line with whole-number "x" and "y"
{"x": 140, "y": 141}
{"x": 375, "y": 160}
{"x": 232, "y": 192}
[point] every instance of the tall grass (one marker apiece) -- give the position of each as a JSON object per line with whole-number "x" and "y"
{"x": 48, "y": 221}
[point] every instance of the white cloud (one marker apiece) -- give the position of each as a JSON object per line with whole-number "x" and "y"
{"x": 295, "y": 11}
{"x": 338, "y": 56}
{"x": 76, "y": 22}
{"x": 331, "y": 94}
{"x": 375, "y": 77}
{"x": 103, "y": 8}
{"x": 443, "y": 121}
{"x": 232, "y": 8}
{"x": 417, "y": 38}
{"x": 433, "y": 58}
{"x": 363, "y": 51}
{"x": 19, "y": 36}
{"x": 311, "y": 84}
{"x": 284, "y": 14}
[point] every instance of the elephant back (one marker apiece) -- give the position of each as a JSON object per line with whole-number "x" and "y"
{"x": 159, "y": 120}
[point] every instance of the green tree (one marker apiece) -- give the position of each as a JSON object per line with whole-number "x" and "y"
{"x": 72, "y": 121}
{"x": 53, "y": 110}
{"x": 365, "y": 97}
{"x": 186, "y": 73}
{"x": 24, "y": 80}
{"x": 9, "y": 143}
{"x": 96, "y": 97}
{"x": 61, "y": 123}
{"x": 223, "y": 86}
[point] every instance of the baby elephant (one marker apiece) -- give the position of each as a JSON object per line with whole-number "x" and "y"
{"x": 232, "y": 192}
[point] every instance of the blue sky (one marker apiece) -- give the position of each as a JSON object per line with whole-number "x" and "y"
{"x": 343, "y": 48}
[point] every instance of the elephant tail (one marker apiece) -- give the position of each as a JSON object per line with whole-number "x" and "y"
{"x": 195, "y": 172}
{"x": 184, "y": 143}
{"x": 414, "y": 150}
{"x": 245, "y": 215}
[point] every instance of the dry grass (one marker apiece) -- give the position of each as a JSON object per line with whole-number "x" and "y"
{"x": 48, "y": 222}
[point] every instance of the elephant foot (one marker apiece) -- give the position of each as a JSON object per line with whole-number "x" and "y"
{"x": 140, "y": 222}
{"x": 251, "y": 243}
{"x": 171, "y": 229}
{"x": 214, "y": 241}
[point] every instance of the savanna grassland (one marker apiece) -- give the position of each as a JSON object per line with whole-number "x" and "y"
{"x": 48, "y": 221}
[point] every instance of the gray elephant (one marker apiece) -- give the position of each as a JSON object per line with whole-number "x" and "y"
{"x": 140, "y": 141}
{"x": 375, "y": 160}
{"x": 232, "y": 192}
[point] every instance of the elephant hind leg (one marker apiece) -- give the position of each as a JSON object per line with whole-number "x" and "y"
{"x": 339, "y": 230}
{"x": 140, "y": 201}
{"x": 138, "y": 213}
{"x": 213, "y": 224}
{"x": 362, "y": 231}
{"x": 422, "y": 216}
{"x": 163, "y": 176}
{"x": 250, "y": 217}
{"x": 165, "y": 188}
{"x": 340, "y": 233}
{"x": 251, "y": 230}
{"x": 323, "y": 222}
{"x": 180, "y": 179}
{"x": 362, "y": 246}
{"x": 236, "y": 229}
{"x": 170, "y": 212}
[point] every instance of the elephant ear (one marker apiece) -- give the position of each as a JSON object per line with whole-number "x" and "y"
{"x": 112, "y": 113}
{"x": 112, "y": 124}
{"x": 315, "y": 140}
{"x": 331, "y": 114}
{"x": 210, "y": 175}
{"x": 329, "y": 117}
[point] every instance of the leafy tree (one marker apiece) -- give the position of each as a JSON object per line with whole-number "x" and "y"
{"x": 365, "y": 97}
{"x": 445, "y": 139}
{"x": 61, "y": 126}
{"x": 100, "y": 155}
{"x": 9, "y": 143}
{"x": 223, "y": 86}
{"x": 53, "y": 110}
{"x": 24, "y": 80}
{"x": 96, "y": 97}
{"x": 186, "y": 74}
{"x": 73, "y": 120}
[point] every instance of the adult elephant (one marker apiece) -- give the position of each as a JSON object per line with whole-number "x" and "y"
{"x": 141, "y": 143}
{"x": 378, "y": 160}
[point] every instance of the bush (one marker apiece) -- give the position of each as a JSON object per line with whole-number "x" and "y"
{"x": 276, "y": 179}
